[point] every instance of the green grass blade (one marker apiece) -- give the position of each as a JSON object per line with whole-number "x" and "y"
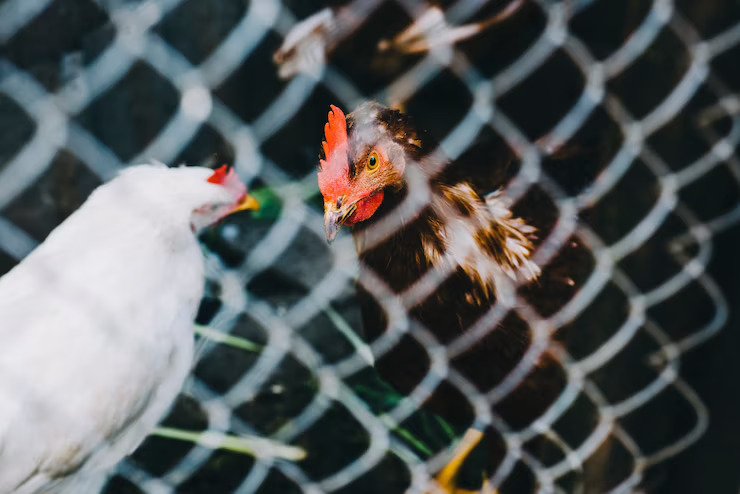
{"x": 227, "y": 339}
{"x": 258, "y": 447}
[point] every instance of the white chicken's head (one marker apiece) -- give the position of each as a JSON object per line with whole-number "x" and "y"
{"x": 197, "y": 195}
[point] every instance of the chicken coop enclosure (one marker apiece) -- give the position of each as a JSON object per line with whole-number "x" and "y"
{"x": 624, "y": 117}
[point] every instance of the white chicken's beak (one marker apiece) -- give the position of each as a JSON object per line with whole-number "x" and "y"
{"x": 247, "y": 203}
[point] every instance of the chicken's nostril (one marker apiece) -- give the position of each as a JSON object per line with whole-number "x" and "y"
{"x": 339, "y": 202}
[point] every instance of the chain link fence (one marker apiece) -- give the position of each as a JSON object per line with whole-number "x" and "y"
{"x": 644, "y": 92}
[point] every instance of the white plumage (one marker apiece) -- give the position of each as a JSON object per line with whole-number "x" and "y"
{"x": 97, "y": 326}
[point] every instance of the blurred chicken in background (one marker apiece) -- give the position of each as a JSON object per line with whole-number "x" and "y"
{"x": 432, "y": 31}
{"x": 310, "y": 43}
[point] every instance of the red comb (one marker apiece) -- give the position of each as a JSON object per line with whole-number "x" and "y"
{"x": 220, "y": 175}
{"x": 335, "y": 131}
{"x": 334, "y": 172}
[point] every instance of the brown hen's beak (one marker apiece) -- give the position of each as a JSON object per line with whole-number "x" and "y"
{"x": 247, "y": 203}
{"x": 335, "y": 217}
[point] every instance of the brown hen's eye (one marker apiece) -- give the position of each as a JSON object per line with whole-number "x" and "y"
{"x": 373, "y": 161}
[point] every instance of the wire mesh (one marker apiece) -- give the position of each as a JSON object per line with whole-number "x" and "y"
{"x": 178, "y": 80}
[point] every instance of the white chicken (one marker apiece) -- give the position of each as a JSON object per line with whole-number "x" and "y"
{"x": 97, "y": 325}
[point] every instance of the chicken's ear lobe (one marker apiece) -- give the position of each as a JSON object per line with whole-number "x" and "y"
{"x": 220, "y": 176}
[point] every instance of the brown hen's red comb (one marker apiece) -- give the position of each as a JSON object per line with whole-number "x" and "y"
{"x": 220, "y": 175}
{"x": 334, "y": 172}
{"x": 335, "y": 131}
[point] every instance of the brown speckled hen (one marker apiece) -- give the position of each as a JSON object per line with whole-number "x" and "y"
{"x": 464, "y": 233}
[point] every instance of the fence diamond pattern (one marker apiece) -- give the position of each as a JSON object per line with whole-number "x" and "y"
{"x": 276, "y": 347}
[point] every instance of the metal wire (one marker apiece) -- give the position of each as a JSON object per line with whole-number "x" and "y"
{"x": 137, "y": 40}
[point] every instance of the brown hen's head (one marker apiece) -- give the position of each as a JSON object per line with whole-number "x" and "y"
{"x": 364, "y": 154}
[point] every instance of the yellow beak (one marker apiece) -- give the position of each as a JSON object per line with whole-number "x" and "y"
{"x": 248, "y": 203}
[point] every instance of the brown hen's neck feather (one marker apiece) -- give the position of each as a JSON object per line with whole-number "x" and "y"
{"x": 457, "y": 230}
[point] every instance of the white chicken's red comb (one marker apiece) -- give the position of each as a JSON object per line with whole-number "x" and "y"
{"x": 221, "y": 175}
{"x": 226, "y": 177}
